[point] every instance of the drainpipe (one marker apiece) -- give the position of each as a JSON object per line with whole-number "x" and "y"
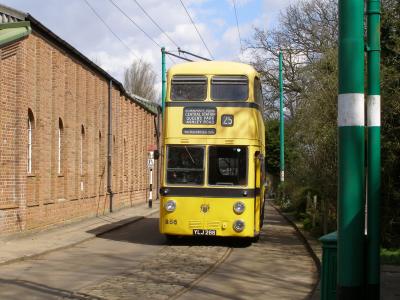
{"x": 109, "y": 147}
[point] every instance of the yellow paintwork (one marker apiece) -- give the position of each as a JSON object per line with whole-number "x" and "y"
{"x": 248, "y": 130}
{"x": 189, "y": 216}
{"x": 212, "y": 68}
{"x": 246, "y": 127}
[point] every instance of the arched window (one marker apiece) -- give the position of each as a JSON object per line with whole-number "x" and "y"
{"x": 31, "y": 127}
{"x": 100, "y": 158}
{"x": 82, "y": 150}
{"x": 60, "y": 146}
{"x": 125, "y": 160}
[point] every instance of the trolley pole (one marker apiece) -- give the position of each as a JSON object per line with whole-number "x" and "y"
{"x": 351, "y": 188}
{"x": 373, "y": 150}
{"x": 281, "y": 121}
{"x": 164, "y": 80}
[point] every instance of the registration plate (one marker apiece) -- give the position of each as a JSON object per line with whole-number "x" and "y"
{"x": 204, "y": 232}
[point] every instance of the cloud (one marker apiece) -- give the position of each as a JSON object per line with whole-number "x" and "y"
{"x": 74, "y": 22}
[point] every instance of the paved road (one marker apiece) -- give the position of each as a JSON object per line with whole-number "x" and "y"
{"x": 277, "y": 267}
{"x": 135, "y": 262}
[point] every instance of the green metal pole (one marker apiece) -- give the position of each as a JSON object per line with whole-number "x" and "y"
{"x": 373, "y": 150}
{"x": 351, "y": 143}
{"x": 164, "y": 80}
{"x": 281, "y": 121}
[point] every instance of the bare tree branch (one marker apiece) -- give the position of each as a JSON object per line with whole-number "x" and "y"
{"x": 139, "y": 79}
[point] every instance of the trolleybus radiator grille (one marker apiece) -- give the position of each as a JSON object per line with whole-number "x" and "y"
{"x": 195, "y": 224}
{"x": 213, "y": 225}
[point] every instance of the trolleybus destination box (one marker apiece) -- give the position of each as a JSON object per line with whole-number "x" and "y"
{"x": 200, "y": 116}
{"x": 199, "y": 131}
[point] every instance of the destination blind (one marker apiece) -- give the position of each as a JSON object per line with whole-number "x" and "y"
{"x": 199, "y": 116}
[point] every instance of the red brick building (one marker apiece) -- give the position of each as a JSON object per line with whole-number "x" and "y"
{"x": 63, "y": 120}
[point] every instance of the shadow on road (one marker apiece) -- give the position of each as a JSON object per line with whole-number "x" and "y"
{"x": 146, "y": 232}
{"x": 45, "y": 291}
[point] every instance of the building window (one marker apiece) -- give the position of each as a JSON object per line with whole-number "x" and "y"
{"x": 31, "y": 127}
{"x": 60, "y": 145}
{"x": 125, "y": 159}
{"x": 81, "y": 149}
{"x": 102, "y": 165}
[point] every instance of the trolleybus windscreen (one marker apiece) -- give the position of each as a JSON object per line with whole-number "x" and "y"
{"x": 185, "y": 165}
{"x": 189, "y": 88}
{"x": 229, "y": 88}
{"x": 227, "y": 165}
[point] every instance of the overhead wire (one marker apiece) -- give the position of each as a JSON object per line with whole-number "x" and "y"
{"x": 237, "y": 26}
{"x": 194, "y": 25}
{"x": 109, "y": 28}
{"x": 155, "y": 23}
{"x": 115, "y": 35}
{"x": 137, "y": 25}
{"x": 134, "y": 23}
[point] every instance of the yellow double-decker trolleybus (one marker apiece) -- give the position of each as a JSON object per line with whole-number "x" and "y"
{"x": 213, "y": 170}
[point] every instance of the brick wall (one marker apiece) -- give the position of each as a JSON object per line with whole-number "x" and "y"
{"x": 68, "y": 105}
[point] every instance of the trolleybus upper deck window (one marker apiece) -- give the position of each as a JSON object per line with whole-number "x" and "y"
{"x": 227, "y": 165}
{"x": 230, "y": 88}
{"x": 185, "y": 165}
{"x": 189, "y": 88}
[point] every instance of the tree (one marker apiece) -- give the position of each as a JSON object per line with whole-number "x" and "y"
{"x": 306, "y": 31}
{"x": 307, "y": 34}
{"x": 272, "y": 147}
{"x": 390, "y": 86}
{"x": 140, "y": 79}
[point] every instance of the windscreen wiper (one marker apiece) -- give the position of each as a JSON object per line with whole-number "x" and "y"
{"x": 190, "y": 155}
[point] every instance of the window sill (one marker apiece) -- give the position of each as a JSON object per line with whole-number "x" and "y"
{"x": 8, "y": 206}
{"x": 30, "y": 175}
{"x": 60, "y": 175}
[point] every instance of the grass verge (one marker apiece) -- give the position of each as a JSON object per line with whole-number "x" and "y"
{"x": 390, "y": 256}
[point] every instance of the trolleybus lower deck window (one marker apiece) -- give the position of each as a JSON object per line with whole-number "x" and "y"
{"x": 227, "y": 165}
{"x": 185, "y": 165}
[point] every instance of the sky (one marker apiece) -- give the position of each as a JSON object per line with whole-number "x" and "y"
{"x": 76, "y": 23}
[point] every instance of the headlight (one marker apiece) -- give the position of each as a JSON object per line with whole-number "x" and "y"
{"x": 170, "y": 205}
{"x": 238, "y": 207}
{"x": 238, "y": 225}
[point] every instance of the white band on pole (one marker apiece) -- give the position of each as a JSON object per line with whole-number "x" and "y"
{"x": 351, "y": 110}
{"x": 282, "y": 176}
{"x": 374, "y": 110}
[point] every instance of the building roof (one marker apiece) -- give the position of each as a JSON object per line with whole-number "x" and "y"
{"x": 213, "y": 67}
{"x": 15, "y": 25}
{"x": 11, "y": 32}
